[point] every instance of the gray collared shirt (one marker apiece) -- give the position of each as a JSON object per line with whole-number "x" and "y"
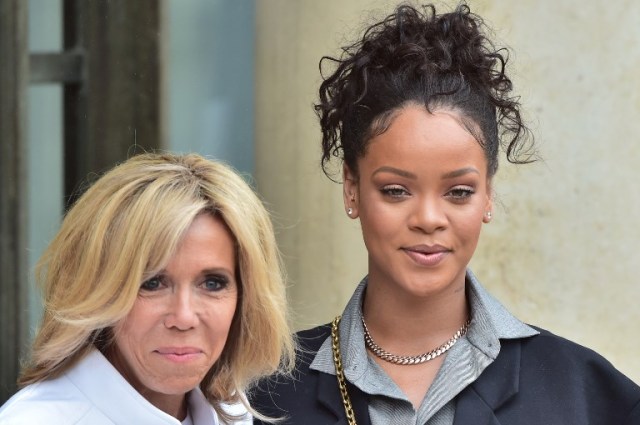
{"x": 462, "y": 366}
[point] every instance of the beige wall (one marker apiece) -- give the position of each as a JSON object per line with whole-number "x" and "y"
{"x": 561, "y": 251}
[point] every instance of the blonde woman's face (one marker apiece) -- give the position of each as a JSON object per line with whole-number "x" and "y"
{"x": 180, "y": 321}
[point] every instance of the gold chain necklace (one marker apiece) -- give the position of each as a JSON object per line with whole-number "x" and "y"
{"x": 337, "y": 361}
{"x": 412, "y": 360}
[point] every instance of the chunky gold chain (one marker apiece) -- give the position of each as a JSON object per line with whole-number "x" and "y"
{"x": 337, "y": 361}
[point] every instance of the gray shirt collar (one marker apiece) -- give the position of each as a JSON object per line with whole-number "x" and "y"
{"x": 490, "y": 322}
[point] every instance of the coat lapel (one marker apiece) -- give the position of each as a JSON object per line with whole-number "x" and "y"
{"x": 329, "y": 397}
{"x": 476, "y": 405}
{"x": 479, "y": 402}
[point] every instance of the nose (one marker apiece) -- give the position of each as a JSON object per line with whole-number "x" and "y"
{"x": 182, "y": 311}
{"x": 428, "y": 215}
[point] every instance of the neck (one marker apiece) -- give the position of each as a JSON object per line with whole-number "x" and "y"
{"x": 403, "y": 323}
{"x": 174, "y": 405}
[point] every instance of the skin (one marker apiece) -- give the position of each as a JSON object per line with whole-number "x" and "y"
{"x": 180, "y": 321}
{"x": 422, "y": 195}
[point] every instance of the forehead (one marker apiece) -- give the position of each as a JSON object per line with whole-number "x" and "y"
{"x": 207, "y": 243}
{"x": 418, "y": 138}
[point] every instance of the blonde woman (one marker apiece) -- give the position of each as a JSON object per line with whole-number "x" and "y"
{"x": 163, "y": 301}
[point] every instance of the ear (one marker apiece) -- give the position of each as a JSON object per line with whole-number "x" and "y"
{"x": 350, "y": 192}
{"x": 488, "y": 207}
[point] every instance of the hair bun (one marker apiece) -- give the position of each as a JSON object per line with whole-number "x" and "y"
{"x": 417, "y": 55}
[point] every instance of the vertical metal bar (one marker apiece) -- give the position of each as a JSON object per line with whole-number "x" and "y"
{"x": 73, "y": 104}
{"x": 117, "y": 111}
{"x": 14, "y": 71}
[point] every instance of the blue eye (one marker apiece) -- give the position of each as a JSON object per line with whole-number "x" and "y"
{"x": 215, "y": 283}
{"x": 152, "y": 284}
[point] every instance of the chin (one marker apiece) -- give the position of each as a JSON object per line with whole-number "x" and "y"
{"x": 175, "y": 386}
{"x": 424, "y": 288}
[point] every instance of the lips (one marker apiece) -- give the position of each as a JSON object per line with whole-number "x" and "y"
{"x": 178, "y": 350}
{"x": 179, "y": 354}
{"x": 427, "y": 255}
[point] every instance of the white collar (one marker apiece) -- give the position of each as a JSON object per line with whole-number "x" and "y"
{"x": 109, "y": 392}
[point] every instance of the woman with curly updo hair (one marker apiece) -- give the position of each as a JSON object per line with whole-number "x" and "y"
{"x": 417, "y": 112}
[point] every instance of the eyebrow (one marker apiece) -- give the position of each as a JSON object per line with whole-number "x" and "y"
{"x": 402, "y": 173}
{"x": 450, "y": 175}
{"x": 217, "y": 270}
{"x": 461, "y": 172}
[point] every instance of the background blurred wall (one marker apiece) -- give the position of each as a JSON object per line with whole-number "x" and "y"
{"x": 561, "y": 250}
{"x": 209, "y": 67}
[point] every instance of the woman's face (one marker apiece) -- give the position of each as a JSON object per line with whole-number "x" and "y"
{"x": 422, "y": 195}
{"x": 179, "y": 323}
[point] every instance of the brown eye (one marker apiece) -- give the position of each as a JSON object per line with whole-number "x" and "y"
{"x": 460, "y": 193}
{"x": 394, "y": 191}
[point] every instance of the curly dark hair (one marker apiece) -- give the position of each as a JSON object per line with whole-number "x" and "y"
{"x": 439, "y": 61}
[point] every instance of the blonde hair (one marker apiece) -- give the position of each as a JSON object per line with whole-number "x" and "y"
{"x": 123, "y": 230}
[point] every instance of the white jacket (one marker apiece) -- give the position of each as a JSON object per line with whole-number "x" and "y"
{"x": 94, "y": 393}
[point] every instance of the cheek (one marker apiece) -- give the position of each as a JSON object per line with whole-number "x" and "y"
{"x": 227, "y": 311}
{"x": 221, "y": 313}
{"x": 217, "y": 327}
{"x": 143, "y": 317}
{"x": 231, "y": 311}
{"x": 470, "y": 226}
{"x": 378, "y": 217}
{"x": 377, "y": 227}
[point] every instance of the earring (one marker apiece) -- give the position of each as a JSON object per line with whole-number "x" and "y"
{"x": 349, "y": 211}
{"x": 488, "y": 216}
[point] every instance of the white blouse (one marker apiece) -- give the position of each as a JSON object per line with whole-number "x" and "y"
{"x": 93, "y": 392}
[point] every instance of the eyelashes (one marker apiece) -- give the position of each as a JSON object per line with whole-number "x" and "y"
{"x": 153, "y": 284}
{"x": 394, "y": 191}
{"x": 458, "y": 193}
{"x": 461, "y": 192}
{"x": 210, "y": 282}
{"x": 215, "y": 283}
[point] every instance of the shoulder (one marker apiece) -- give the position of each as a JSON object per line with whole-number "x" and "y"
{"x": 54, "y": 402}
{"x": 203, "y": 412}
{"x": 549, "y": 351}
{"x": 281, "y": 396}
{"x": 308, "y": 343}
{"x": 556, "y": 373}
{"x": 238, "y": 412}
{"x": 312, "y": 339}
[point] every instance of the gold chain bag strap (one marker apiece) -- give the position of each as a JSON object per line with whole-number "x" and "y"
{"x": 337, "y": 361}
